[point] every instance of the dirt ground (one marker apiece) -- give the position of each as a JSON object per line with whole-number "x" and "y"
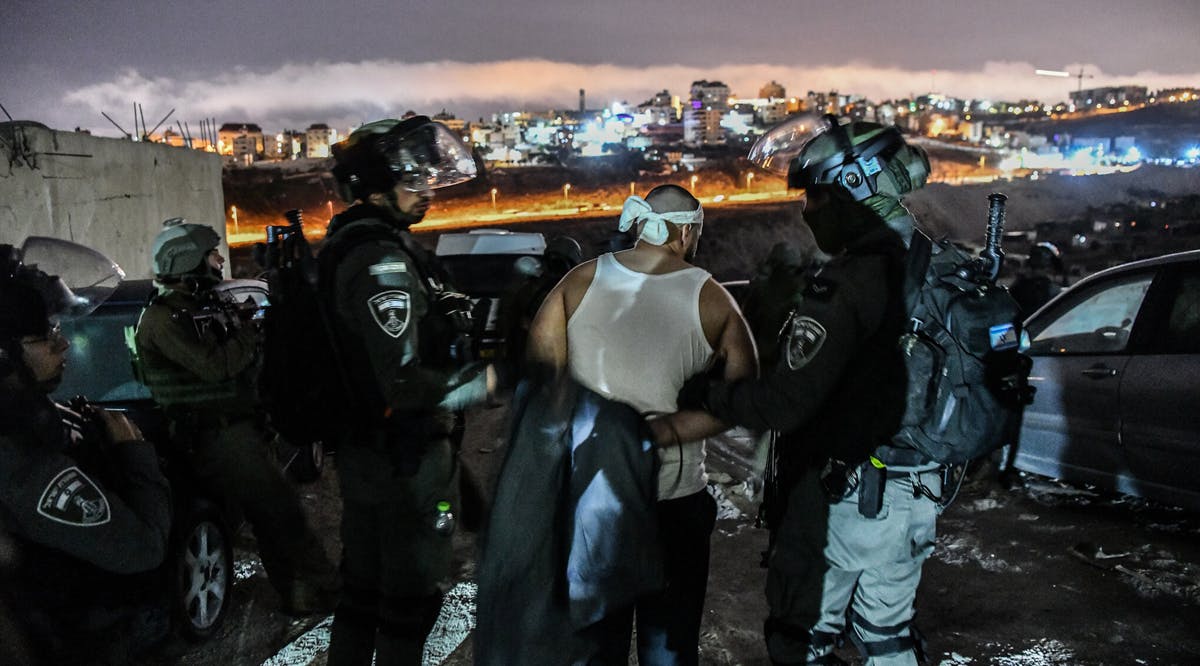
{"x": 1044, "y": 574}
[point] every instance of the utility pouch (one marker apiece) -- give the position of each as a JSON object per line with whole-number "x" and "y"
{"x": 872, "y": 479}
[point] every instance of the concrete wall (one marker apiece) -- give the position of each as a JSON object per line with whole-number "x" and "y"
{"x": 108, "y": 194}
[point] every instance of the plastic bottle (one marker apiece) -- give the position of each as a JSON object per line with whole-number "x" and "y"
{"x": 444, "y": 522}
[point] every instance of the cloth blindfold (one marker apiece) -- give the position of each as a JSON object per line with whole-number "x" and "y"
{"x": 654, "y": 230}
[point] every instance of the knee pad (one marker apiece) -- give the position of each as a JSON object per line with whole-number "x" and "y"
{"x": 897, "y": 638}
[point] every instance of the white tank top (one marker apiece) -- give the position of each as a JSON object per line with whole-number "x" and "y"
{"x": 636, "y": 338}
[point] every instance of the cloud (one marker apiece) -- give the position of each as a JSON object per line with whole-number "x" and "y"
{"x": 348, "y": 93}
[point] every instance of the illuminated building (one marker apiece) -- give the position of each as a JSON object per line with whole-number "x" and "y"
{"x": 317, "y": 140}
{"x": 241, "y": 143}
{"x": 702, "y": 118}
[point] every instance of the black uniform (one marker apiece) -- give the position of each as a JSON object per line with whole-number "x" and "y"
{"x": 837, "y": 392}
{"x": 86, "y": 515}
{"x": 398, "y": 463}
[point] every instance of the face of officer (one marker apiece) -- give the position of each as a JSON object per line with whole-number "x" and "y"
{"x": 45, "y": 357}
{"x": 413, "y": 199}
{"x": 215, "y": 261}
{"x": 836, "y": 221}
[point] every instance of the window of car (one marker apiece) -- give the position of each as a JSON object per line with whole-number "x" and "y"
{"x": 98, "y": 363}
{"x": 1180, "y": 333}
{"x": 1098, "y": 321}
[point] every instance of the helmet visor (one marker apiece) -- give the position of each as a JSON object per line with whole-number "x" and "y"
{"x": 79, "y": 278}
{"x": 428, "y": 158}
{"x": 776, "y": 149}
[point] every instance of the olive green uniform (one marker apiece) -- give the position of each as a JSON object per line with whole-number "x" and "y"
{"x": 204, "y": 375}
{"x": 397, "y": 464}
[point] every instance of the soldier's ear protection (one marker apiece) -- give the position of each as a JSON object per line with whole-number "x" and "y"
{"x": 855, "y": 169}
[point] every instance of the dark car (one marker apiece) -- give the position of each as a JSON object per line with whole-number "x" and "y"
{"x": 199, "y": 567}
{"x": 1116, "y": 363}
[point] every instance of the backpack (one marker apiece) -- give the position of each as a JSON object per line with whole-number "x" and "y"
{"x": 967, "y": 377}
{"x": 304, "y": 383}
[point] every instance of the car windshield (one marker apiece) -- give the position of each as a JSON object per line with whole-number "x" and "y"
{"x": 481, "y": 275}
{"x": 98, "y": 365}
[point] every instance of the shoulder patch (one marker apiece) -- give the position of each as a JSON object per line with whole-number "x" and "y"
{"x": 820, "y": 288}
{"x": 804, "y": 341}
{"x": 391, "y": 311}
{"x": 388, "y": 267}
{"x": 73, "y": 499}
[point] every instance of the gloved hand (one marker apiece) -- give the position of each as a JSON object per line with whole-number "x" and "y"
{"x": 457, "y": 309}
{"x": 694, "y": 393}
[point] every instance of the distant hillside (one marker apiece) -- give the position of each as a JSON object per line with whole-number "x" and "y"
{"x": 1164, "y": 130}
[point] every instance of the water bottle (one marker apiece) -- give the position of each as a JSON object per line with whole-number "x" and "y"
{"x": 444, "y": 522}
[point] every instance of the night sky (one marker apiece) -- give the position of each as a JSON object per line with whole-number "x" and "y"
{"x": 293, "y": 63}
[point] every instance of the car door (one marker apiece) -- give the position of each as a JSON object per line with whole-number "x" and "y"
{"x": 1079, "y": 346}
{"x": 1160, "y": 393}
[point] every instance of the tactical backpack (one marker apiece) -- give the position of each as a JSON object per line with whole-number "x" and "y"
{"x": 303, "y": 382}
{"x": 967, "y": 377}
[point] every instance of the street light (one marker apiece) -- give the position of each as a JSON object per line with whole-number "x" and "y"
{"x": 493, "y": 198}
{"x": 235, "y": 222}
{"x": 631, "y": 191}
{"x": 694, "y": 179}
{"x": 329, "y": 204}
{"x": 567, "y": 193}
{"x": 749, "y": 181}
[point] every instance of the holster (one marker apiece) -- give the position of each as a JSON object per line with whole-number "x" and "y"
{"x": 871, "y": 483}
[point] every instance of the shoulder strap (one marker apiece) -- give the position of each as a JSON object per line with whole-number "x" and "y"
{"x": 917, "y": 265}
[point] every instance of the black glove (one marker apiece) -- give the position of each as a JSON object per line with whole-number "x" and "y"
{"x": 694, "y": 393}
{"x": 457, "y": 309}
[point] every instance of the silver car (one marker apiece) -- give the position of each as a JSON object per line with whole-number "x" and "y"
{"x": 1116, "y": 363}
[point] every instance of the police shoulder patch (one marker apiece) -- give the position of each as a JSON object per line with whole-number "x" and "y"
{"x": 391, "y": 311}
{"x": 73, "y": 499}
{"x": 805, "y": 338}
{"x": 820, "y": 288}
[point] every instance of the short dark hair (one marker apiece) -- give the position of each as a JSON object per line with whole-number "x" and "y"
{"x": 675, "y": 194}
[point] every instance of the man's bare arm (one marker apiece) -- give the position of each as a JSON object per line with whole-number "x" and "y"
{"x": 734, "y": 350}
{"x": 547, "y": 348}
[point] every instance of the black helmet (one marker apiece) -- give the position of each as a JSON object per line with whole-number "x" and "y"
{"x": 31, "y": 299}
{"x": 416, "y": 152}
{"x": 1045, "y": 256}
{"x": 565, "y": 250}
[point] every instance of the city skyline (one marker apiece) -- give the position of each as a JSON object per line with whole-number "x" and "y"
{"x": 291, "y": 65}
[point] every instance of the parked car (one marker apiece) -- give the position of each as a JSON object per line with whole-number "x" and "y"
{"x": 482, "y": 263}
{"x": 198, "y": 571}
{"x": 1116, "y": 364}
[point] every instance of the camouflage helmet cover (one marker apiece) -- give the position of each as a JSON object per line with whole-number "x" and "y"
{"x": 862, "y": 159}
{"x": 181, "y": 247}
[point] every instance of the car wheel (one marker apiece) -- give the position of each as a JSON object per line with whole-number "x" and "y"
{"x": 307, "y": 462}
{"x": 203, "y": 573}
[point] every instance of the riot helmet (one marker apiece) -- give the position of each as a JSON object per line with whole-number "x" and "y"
{"x": 857, "y": 160}
{"x": 180, "y": 253}
{"x": 33, "y": 300}
{"x": 862, "y": 169}
{"x": 415, "y": 153}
